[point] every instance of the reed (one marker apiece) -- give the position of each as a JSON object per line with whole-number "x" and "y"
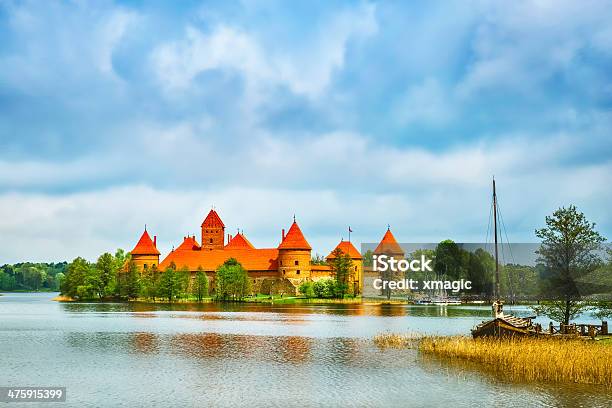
{"x": 390, "y": 340}
{"x": 530, "y": 359}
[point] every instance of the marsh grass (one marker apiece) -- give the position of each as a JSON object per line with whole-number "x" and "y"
{"x": 530, "y": 359}
{"x": 390, "y": 340}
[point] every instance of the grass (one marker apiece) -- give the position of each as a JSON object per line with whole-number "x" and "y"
{"x": 530, "y": 359}
{"x": 390, "y": 340}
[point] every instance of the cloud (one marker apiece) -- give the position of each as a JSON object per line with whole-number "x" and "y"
{"x": 426, "y": 103}
{"x": 305, "y": 70}
{"x": 362, "y": 114}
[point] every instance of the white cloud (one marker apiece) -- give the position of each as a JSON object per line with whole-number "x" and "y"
{"x": 519, "y": 45}
{"x": 305, "y": 70}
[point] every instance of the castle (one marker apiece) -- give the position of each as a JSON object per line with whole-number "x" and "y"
{"x": 272, "y": 270}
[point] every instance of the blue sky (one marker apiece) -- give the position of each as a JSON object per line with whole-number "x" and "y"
{"x": 117, "y": 114}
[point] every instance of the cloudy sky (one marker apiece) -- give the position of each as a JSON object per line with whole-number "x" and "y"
{"x": 113, "y": 115}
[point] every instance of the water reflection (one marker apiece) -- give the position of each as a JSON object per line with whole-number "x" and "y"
{"x": 256, "y": 355}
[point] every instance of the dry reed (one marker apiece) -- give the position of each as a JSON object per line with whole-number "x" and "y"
{"x": 390, "y": 340}
{"x": 530, "y": 359}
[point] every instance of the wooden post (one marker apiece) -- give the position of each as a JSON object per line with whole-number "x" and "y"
{"x": 583, "y": 330}
{"x": 551, "y": 328}
{"x": 604, "y": 327}
{"x": 591, "y": 330}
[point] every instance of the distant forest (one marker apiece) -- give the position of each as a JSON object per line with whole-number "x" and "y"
{"x": 29, "y": 276}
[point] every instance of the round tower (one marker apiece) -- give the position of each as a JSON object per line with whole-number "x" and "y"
{"x": 145, "y": 253}
{"x": 294, "y": 255}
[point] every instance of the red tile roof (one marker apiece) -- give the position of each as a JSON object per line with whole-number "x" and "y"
{"x": 145, "y": 246}
{"x": 210, "y": 260}
{"x": 239, "y": 241}
{"x": 388, "y": 245}
{"x": 348, "y": 248}
{"x": 294, "y": 239}
{"x": 189, "y": 244}
{"x": 213, "y": 220}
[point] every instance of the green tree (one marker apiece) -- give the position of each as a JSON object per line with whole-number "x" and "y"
{"x": 480, "y": 269}
{"x": 76, "y": 272}
{"x": 306, "y": 289}
{"x": 569, "y": 254}
{"x": 341, "y": 265}
{"x": 368, "y": 258}
{"x": 184, "y": 279}
{"x": 449, "y": 260}
{"x": 170, "y": 283}
{"x": 150, "y": 282}
{"x": 324, "y": 288}
{"x": 232, "y": 281}
{"x": 107, "y": 268}
{"x": 131, "y": 289}
{"x": 200, "y": 286}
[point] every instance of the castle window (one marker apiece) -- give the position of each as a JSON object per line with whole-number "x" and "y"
{"x": 211, "y": 240}
{"x": 283, "y": 271}
{"x": 297, "y": 262}
{"x": 297, "y": 272}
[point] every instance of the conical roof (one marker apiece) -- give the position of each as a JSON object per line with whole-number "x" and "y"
{"x": 239, "y": 241}
{"x": 145, "y": 246}
{"x": 348, "y": 248}
{"x": 388, "y": 245}
{"x": 189, "y": 244}
{"x": 213, "y": 220}
{"x": 294, "y": 239}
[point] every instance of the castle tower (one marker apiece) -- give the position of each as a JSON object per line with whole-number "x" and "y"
{"x": 294, "y": 254}
{"x": 145, "y": 253}
{"x": 388, "y": 246}
{"x": 213, "y": 232}
{"x": 355, "y": 278}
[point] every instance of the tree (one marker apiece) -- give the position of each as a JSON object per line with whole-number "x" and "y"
{"x": 306, "y": 289}
{"x": 131, "y": 289}
{"x": 75, "y": 277}
{"x": 107, "y": 268}
{"x": 232, "y": 280}
{"x": 480, "y": 267}
{"x": 324, "y": 288}
{"x": 569, "y": 254}
{"x": 150, "y": 282}
{"x": 448, "y": 260}
{"x": 341, "y": 265}
{"x": 170, "y": 283}
{"x": 200, "y": 286}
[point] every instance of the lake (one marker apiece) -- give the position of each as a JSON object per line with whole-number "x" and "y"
{"x": 133, "y": 355}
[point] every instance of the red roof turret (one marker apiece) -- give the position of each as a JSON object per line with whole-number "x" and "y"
{"x": 388, "y": 245}
{"x": 347, "y": 248}
{"x": 294, "y": 239}
{"x": 145, "y": 246}
{"x": 239, "y": 242}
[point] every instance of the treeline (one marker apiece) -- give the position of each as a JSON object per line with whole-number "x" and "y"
{"x": 29, "y": 276}
{"x": 118, "y": 277}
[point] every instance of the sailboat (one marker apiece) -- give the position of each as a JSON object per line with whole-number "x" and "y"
{"x": 503, "y": 325}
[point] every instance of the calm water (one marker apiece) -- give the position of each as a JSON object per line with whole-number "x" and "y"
{"x": 110, "y": 354}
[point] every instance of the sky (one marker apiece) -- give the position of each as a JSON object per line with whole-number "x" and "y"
{"x": 114, "y": 115}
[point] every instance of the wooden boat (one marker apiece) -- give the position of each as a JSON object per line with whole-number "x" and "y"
{"x": 503, "y": 325}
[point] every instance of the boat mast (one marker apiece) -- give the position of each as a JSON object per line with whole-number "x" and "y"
{"x": 497, "y": 294}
